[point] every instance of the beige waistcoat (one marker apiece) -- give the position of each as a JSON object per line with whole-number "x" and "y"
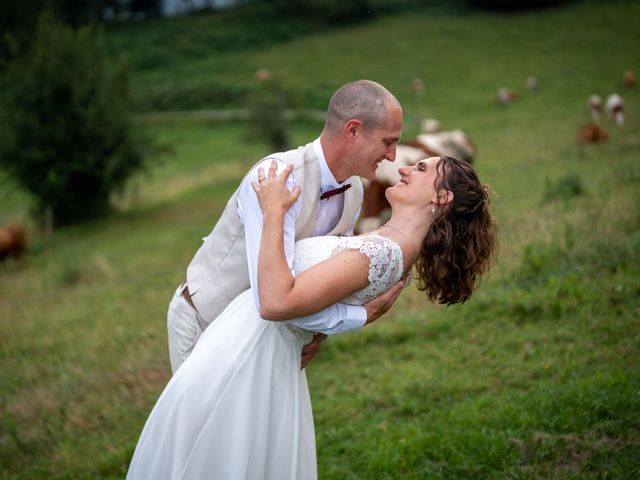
{"x": 218, "y": 272}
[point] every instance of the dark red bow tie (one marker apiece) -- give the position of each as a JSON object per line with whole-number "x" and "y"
{"x": 335, "y": 191}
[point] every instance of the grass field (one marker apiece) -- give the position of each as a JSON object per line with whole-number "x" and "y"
{"x": 536, "y": 377}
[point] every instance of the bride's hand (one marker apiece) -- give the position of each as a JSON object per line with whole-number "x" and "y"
{"x": 272, "y": 191}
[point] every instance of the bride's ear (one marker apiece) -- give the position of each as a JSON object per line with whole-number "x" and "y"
{"x": 444, "y": 197}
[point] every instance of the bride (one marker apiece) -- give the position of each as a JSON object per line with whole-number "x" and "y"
{"x": 239, "y": 406}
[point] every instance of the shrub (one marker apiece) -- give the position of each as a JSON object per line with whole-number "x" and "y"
{"x": 266, "y": 106}
{"x": 68, "y": 138}
{"x": 514, "y": 4}
{"x": 18, "y": 19}
{"x": 331, "y": 10}
{"x": 16, "y": 24}
{"x": 215, "y": 94}
{"x": 564, "y": 188}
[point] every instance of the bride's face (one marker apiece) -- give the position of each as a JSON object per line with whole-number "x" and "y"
{"x": 418, "y": 183}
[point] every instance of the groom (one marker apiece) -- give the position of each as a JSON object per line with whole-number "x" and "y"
{"x": 362, "y": 128}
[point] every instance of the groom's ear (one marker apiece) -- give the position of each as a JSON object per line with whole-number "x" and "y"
{"x": 353, "y": 128}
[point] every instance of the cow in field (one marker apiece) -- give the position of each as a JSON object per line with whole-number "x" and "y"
{"x": 591, "y": 133}
{"x": 595, "y": 107}
{"x": 629, "y": 79}
{"x": 13, "y": 242}
{"x": 615, "y": 108}
{"x": 504, "y": 96}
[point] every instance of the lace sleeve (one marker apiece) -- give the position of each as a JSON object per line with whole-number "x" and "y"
{"x": 385, "y": 265}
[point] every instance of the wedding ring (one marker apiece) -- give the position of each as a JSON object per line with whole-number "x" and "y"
{"x": 261, "y": 179}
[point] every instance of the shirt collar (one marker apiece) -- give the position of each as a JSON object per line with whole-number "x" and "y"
{"x": 327, "y": 180}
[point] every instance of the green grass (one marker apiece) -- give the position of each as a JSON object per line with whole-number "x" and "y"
{"x": 209, "y": 61}
{"x": 536, "y": 377}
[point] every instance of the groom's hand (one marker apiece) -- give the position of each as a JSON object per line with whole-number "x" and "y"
{"x": 310, "y": 349}
{"x": 383, "y": 302}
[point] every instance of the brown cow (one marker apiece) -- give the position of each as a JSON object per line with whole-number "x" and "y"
{"x": 629, "y": 79}
{"x": 504, "y": 96}
{"x": 13, "y": 241}
{"x": 591, "y": 133}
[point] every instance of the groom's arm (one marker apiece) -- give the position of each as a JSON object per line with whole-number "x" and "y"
{"x": 338, "y": 318}
{"x": 375, "y": 309}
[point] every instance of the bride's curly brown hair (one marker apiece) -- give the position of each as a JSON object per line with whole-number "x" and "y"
{"x": 462, "y": 241}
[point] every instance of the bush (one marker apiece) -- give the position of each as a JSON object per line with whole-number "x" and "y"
{"x": 507, "y": 5}
{"x": 332, "y": 10}
{"x": 67, "y": 136}
{"x": 564, "y": 188}
{"x": 267, "y": 110}
{"x": 16, "y": 24}
{"x": 215, "y": 94}
{"x": 18, "y": 19}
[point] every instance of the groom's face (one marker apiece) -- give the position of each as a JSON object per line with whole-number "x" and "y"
{"x": 379, "y": 143}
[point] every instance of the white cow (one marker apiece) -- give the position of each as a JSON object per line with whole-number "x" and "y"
{"x": 615, "y": 108}
{"x": 595, "y": 105}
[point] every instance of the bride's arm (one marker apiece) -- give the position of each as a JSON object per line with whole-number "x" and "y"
{"x": 282, "y": 295}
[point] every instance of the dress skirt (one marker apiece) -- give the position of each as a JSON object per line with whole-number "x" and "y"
{"x": 237, "y": 408}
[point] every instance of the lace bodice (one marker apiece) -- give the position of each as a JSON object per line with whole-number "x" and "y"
{"x": 385, "y": 260}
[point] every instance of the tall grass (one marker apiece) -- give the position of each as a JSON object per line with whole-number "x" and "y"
{"x": 536, "y": 377}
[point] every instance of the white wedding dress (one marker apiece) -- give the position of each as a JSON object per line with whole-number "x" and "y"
{"x": 239, "y": 406}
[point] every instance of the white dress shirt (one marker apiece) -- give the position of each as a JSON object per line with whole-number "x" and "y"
{"x": 338, "y": 318}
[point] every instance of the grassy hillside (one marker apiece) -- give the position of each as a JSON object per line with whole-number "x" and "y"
{"x": 206, "y": 61}
{"x": 536, "y": 377}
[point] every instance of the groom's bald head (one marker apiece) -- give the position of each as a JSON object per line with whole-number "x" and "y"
{"x": 363, "y": 100}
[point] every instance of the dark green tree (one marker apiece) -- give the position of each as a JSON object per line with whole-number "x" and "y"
{"x": 267, "y": 111}
{"x": 66, "y": 134}
{"x": 19, "y": 18}
{"x": 333, "y": 10}
{"x": 514, "y": 5}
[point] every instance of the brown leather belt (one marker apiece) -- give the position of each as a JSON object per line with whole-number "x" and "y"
{"x": 187, "y": 296}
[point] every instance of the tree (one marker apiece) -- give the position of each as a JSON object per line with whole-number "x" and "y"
{"x": 18, "y": 19}
{"x": 332, "y": 10}
{"x": 67, "y": 136}
{"x": 267, "y": 115}
{"x": 514, "y": 5}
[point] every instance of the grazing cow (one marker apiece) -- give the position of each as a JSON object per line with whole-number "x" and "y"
{"x": 505, "y": 96}
{"x": 376, "y": 209}
{"x": 629, "y": 79}
{"x": 263, "y": 75}
{"x": 591, "y": 133}
{"x": 595, "y": 106}
{"x": 453, "y": 143}
{"x": 615, "y": 108}
{"x": 417, "y": 85}
{"x": 13, "y": 241}
{"x": 430, "y": 125}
